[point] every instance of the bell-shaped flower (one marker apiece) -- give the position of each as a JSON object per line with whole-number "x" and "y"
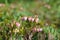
{"x": 18, "y": 24}
{"x": 24, "y": 18}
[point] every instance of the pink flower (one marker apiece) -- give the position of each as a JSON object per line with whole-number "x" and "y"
{"x": 30, "y": 18}
{"x": 17, "y": 24}
{"x": 37, "y": 20}
{"x": 24, "y": 18}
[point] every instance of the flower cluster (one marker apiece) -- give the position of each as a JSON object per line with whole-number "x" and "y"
{"x": 37, "y": 29}
{"x": 30, "y": 19}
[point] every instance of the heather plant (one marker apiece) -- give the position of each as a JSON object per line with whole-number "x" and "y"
{"x": 29, "y": 20}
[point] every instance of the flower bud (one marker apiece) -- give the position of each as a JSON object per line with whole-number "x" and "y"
{"x": 24, "y": 18}
{"x": 17, "y": 24}
{"x": 37, "y": 20}
{"x": 39, "y": 29}
{"x": 30, "y": 18}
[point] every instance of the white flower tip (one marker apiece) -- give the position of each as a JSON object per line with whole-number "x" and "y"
{"x": 37, "y": 20}
{"x": 39, "y": 29}
{"x": 33, "y": 19}
{"x": 24, "y": 18}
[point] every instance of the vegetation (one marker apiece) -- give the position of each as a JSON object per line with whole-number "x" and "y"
{"x": 29, "y": 19}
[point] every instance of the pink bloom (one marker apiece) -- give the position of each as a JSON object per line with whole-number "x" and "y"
{"x": 30, "y": 18}
{"x": 17, "y": 24}
{"x": 24, "y": 18}
{"x": 37, "y": 20}
{"x": 33, "y": 19}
